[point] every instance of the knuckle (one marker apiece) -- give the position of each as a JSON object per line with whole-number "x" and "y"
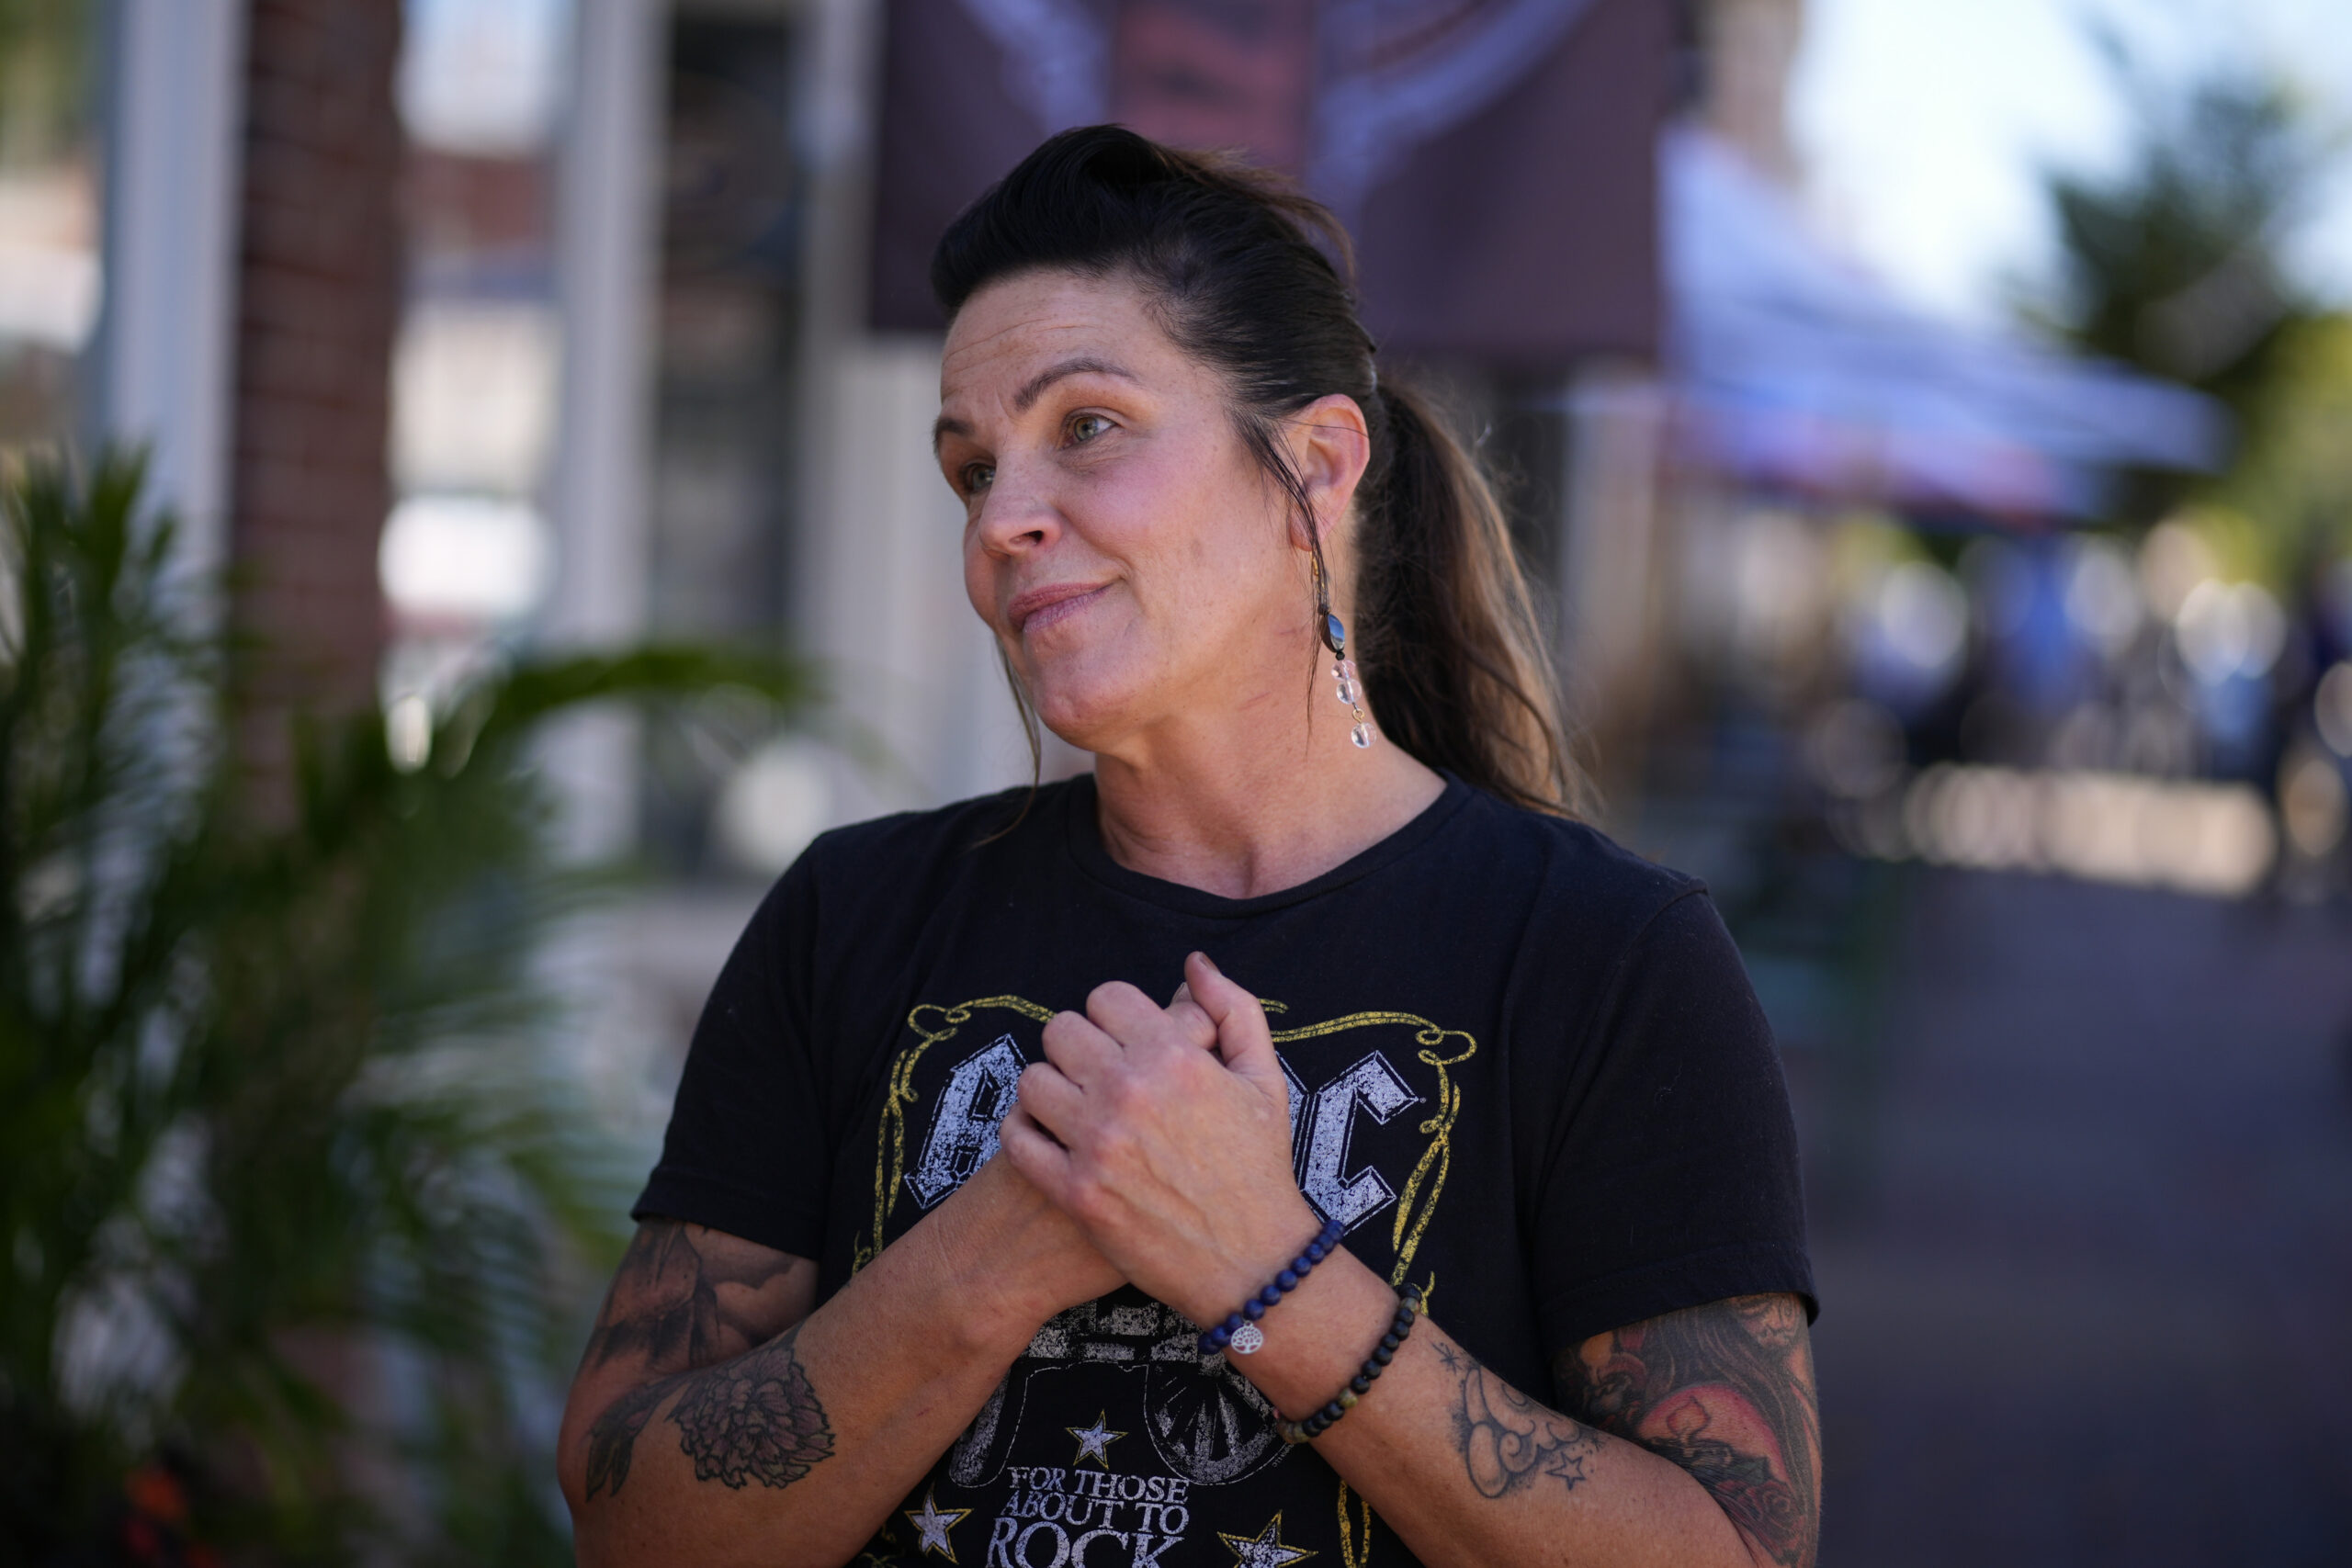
{"x": 1087, "y": 1201}
{"x": 1112, "y": 1144}
{"x": 1122, "y": 1096}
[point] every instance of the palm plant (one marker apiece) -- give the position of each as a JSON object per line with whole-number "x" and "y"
{"x": 292, "y": 1194}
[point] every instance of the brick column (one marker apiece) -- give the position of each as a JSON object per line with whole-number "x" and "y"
{"x": 319, "y": 271}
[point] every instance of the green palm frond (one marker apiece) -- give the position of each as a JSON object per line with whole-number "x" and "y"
{"x": 279, "y": 1116}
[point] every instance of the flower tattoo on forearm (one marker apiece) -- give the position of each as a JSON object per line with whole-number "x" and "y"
{"x": 745, "y": 1410}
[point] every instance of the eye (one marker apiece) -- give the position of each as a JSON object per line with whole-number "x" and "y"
{"x": 1086, "y": 427}
{"x": 976, "y": 477}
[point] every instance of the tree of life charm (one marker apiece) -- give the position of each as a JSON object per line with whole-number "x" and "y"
{"x": 1247, "y": 1339}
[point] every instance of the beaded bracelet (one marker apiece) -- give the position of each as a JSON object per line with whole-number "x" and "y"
{"x": 1240, "y": 1329}
{"x": 1409, "y": 1306}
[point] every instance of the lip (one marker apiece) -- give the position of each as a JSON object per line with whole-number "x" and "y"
{"x": 1052, "y": 602}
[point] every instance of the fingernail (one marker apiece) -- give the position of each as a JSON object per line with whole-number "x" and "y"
{"x": 1208, "y": 964}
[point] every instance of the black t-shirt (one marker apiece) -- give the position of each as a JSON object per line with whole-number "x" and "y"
{"x": 1526, "y": 1073}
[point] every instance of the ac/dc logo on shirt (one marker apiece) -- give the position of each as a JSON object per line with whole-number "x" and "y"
{"x": 981, "y": 1090}
{"x": 1374, "y": 1102}
{"x": 1365, "y": 1069}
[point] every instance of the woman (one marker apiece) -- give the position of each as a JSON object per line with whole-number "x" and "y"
{"x": 1475, "y": 1109}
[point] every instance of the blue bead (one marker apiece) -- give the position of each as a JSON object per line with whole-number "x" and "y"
{"x": 1316, "y": 1249}
{"x": 1254, "y": 1311}
{"x": 1270, "y": 1295}
{"x": 1232, "y": 1321}
{"x": 1287, "y": 1279}
{"x": 1338, "y": 633}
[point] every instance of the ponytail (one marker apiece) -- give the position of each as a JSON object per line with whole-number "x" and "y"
{"x": 1454, "y": 663}
{"x": 1453, "y": 655}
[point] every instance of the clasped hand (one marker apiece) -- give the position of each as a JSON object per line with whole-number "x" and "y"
{"x": 1164, "y": 1134}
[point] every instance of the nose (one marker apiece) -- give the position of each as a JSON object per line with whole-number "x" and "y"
{"x": 1017, "y": 514}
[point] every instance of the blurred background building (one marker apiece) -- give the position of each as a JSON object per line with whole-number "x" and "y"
{"x": 1990, "y": 656}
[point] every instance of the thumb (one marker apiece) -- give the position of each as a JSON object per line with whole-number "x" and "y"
{"x": 1198, "y": 1027}
{"x": 1242, "y": 1037}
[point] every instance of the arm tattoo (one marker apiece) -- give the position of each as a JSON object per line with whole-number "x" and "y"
{"x": 698, "y": 1305}
{"x": 667, "y": 1304}
{"x": 1724, "y": 1391}
{"x": 753, "y": 1418}
{"x": 1505, "y": 1438}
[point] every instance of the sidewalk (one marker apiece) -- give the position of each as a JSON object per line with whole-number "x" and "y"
{"x": 2085, "y": 1245}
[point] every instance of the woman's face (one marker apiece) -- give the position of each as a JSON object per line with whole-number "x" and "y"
{"x": 1135, "y": 563}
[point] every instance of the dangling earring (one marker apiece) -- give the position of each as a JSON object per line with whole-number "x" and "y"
{"x": 1343, "y": 669}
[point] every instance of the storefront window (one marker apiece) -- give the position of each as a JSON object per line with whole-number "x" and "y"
{"x": 732, "y": 212}
{"x": 468, "y": 553}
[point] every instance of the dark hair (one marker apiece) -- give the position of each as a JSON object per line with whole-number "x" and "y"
{"x": 1453, "y": 664}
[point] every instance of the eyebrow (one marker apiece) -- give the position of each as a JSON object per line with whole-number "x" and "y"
{"x": 1035, "y": 388}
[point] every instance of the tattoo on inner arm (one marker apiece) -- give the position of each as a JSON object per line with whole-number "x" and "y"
{"x": 701, "y": 1303}
{"x": 1506, "y": 1440}
{"x": 1724, "y": 1391}
{"x": 753, "y": 1418}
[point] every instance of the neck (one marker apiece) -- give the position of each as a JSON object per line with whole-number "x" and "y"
{"x": 1237, "y": 812}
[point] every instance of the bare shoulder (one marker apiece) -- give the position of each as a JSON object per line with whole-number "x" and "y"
{"x": 1727, "y": 1391}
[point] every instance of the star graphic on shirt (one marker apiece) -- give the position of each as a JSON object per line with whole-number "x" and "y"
{"x": 1264, "y": 1550}
{"x": 935, "y": 1522}
{"x": 1094, "y": 1441}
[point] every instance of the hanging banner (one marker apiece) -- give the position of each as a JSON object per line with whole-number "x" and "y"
{"x": 1496, "y": 160}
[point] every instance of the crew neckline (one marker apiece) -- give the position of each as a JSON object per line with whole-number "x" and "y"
{"x": 1083, "y": 836}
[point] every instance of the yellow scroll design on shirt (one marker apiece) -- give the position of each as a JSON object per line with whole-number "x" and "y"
{"x": 1355, "y": 1529}
{"x": 1418, "y": 1201}
{"x": 891, "y": 1143}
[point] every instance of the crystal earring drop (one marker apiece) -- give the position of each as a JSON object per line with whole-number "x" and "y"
{"x": 1343, "y": 671}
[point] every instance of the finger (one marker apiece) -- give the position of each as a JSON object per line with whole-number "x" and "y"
{"x": 1131, "y": 1018}
{"x": 1082, "y": 1052}
{"x": 1189, "y": 1017}
{"x": 1056, "y": 1105}
{"x": 1034, "y": 1154}
{"x": 1242, "y": 1037}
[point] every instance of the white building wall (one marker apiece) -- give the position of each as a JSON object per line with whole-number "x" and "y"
{"x": 167, "y": 336}
{"x": 878, "y": 582}
{"x": 607, "y": 207}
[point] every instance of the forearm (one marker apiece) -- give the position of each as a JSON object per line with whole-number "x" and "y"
{"x": 1467, "y": 1470}
{"x": 795, "y": 1451}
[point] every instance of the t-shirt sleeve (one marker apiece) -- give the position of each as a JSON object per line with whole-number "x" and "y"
{"x": 748, "y": 1151}
{"x": 1671, "y": 1172}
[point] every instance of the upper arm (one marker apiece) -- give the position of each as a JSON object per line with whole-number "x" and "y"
{"x": 1726, "y": 1391}
{"x": 685, "y": 1296}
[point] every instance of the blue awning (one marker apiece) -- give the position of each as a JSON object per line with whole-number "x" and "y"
{"x": 1794, "y": 369}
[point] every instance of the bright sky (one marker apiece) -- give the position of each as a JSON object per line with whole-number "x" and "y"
{"x": 1926, "y": 123}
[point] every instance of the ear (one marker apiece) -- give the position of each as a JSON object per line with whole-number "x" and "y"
{"x": 1329, "y": 448}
